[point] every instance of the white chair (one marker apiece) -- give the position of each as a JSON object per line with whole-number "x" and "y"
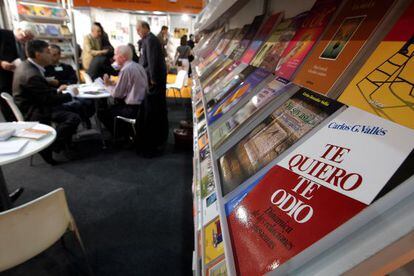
{"x": 16, "y": 111}
{"x": 29, "y": 229}
{"x": 180, "y": 82}
{"x": 130, "y": 121}
{"x": 86, "y": 77}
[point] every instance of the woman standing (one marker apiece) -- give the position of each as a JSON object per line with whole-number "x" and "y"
{"x": 182, "y": 54}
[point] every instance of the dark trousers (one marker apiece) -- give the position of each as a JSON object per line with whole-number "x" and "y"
{"x": 66, "y": 124}
{"x": 108, "y": 115}
{"x": 152, "y": 126}
{"x": 85, "y": 108}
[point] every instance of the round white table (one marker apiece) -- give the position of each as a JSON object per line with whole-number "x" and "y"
{"x": 94, "y": 95}
{"x": 32, "y": 147}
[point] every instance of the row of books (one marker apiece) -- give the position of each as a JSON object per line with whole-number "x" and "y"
{"x": 273, "y": 146}
{"x": 27, "y": 9}
{"x": 49, "y": 29}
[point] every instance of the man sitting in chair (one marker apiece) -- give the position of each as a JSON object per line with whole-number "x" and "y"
{"x": 128, "y": 92}
{"x": 39, "y": 101}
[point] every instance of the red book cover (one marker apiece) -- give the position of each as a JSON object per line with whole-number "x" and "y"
{"x": 304, "y": 39}
{"x": 284, "y": 214}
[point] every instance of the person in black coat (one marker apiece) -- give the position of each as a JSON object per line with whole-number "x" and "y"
{"x": 11, "y": 45}
{"x": 153, "y": 121}
{"x": 39, "y": 101}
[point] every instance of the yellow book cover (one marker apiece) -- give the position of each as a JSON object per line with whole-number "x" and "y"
{"x": 213, "y": 241}
{"x": 385, "y": 83}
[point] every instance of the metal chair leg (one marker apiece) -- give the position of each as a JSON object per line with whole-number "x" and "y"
{"x": 115, "y": 128}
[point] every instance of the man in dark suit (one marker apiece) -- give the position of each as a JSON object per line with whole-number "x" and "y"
{"x": 39, "y": 101}
{"x": 153, "y": 123}
{"x": 10, "y": 50}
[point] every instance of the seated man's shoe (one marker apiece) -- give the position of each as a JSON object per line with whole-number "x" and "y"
{"x": 16, "y": 194}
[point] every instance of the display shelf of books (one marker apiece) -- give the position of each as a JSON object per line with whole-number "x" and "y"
{"x": 303, "y": 139}
{"x": 50, "y": 21}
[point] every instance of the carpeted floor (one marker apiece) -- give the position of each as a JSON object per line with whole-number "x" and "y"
{"x": 134, "y": 214}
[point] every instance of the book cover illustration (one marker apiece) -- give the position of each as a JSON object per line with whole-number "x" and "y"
{"x": 326, "y": 181}
{"x": 234, "y": 43}
{"x": 385, "y": 83}
{"x": 241, "y": 91}
{"x": 222, "y": 79}
{"x": 280, "y": 39}
{"x": 213, "y": 241}
{"x": 214, "y": 76}
{"x": 244, "y": 44}
{"x": 206, "y": 178}
{"x": 221, "y": 92}
{"x": 272, "y": 90}
{"x": 217, "y": 268}
{"x": 210, "y": 207}
{"x": 261, "y": 36}
{"x": 341, "y": 43}
{"x": 277, "y": 132}
{"x": 202, "y": 141}
{"x": 305, "y": 38}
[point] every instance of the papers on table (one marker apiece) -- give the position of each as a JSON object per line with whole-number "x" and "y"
{"x": 29, "y": 130}
{"x": 6, "y": 134}
{"x": 12, "y": 146}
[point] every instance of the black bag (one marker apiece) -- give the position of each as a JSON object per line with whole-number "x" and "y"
{"x": 190, "y": 58}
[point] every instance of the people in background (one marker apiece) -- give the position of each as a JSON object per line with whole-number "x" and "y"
{"x": 101, "y": 65}
{"x": 92, "y": 46}
{"x": 39, "y": 101}
{"x": 11, "y": 53}
{"x": 190, "y": 41}
{"x": 106, "y": 44}
{"x": 153, "y": 124}
{"x": 58, "y": 73}
{"x": 61, "y": 72}
{"x": 183, "y": 52}
{"x": 129, "y": 91}
{"x": 135, "y": 57}
{"x": 163, "y": 37}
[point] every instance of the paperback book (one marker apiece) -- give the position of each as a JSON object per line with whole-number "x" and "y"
{"x": 244, "y": 44}
{"x": 315, "y": 189}
{"x": 213, "y": 241}
{"x": 277, "y": 132}
{"x": 269, "y": 56}
{"x": 242, "y": 90}
{"x": 273, "y": 89}
{"x": 355, "y": 23}
{"x": 306, "y": 36}
{"x": 385, "y": 83}
{"x": 261, "y": 36}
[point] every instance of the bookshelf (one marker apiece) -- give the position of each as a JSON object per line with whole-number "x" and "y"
{"x": 52, "y": 22}
{"x": 380, "y": 225}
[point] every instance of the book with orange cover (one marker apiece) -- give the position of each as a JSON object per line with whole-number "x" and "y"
{"x": 355, "y": 23}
